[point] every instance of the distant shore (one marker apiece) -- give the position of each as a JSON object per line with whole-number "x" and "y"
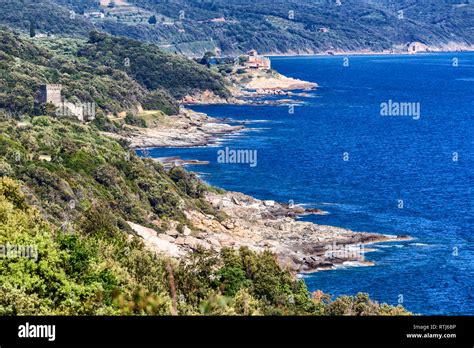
{"x": 369, "y": 53}
{"x": 451, "y": 47}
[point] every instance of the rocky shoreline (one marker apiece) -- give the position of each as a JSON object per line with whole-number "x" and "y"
{"x": 188, "y": 129}
{"x": 301, "y": 247}
{"x": 249, "y": 87}
{"x": 450, "y": 47}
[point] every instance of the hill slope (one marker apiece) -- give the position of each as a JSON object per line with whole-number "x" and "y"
{"x": 97, "y": 71}
{"x": 272, "y": 26}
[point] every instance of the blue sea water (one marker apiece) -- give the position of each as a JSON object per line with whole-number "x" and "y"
{"x": 300, "y": 157}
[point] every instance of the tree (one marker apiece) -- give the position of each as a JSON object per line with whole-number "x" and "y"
{"x": 152, "y": 20}
{"x": 206, "y": 59}
{"x": 32, "y": 29}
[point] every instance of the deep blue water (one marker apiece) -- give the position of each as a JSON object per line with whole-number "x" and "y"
{"x": 300, "y": 158}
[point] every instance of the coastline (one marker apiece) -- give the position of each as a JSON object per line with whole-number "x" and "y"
{"x": 327, "y": 53}
{"x": 192, "y": 129}
{"x": 188, "y": 129}
{"x": 301, "y": 247}
{"x": 249, "y": 86}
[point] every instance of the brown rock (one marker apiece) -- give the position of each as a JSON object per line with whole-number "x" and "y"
{"x": 194, "y": 243}
{"x": 186, "y": 231}
{"x": 172, "y": 233}
{"x": 179, "y": 241}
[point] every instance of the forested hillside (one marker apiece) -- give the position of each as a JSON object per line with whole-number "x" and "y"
{"x": 151, "y": 67}
{"x": 44, "y": 15}
{"x": 25, "y": 66}
{"x": 88, "y": 261}
{"x": 116, "y": 74}
{"x": 272, "y": 26}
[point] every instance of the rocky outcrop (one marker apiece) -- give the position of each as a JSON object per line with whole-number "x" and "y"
{"x": 278, "y": 83}
{"x": 269, "y": 82}
{"x": 160, "y": 243}
{"x": 267, "y": 225}
{"x": 187, "y": 129}
{"x": 208, "y": 97}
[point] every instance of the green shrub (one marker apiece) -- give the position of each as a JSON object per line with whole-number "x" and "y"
{"x": 133, "y": 120}
{"x": 41, "y": 121}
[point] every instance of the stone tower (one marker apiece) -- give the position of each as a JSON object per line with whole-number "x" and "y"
{"x": 51, "y": 94}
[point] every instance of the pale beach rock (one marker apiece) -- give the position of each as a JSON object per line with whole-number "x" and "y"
{"x": 194, "y": 243}
{"x": 153, "y": 242}
{"x": 179, "y": 241}
{"x": 166, "y": 237}
{"x": 229, "y": 224}
{"x": 214, "y": 241}
{"x": 299, "y": 246}
{"x": 172, "y": 233}
{"x": 186, "y": 231}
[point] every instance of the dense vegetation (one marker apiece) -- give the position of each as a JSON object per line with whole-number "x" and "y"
{"x": 92, "y": 172}
{"x": 268, "y": 25}
{"x": 69, "y": 191}
{"x": 46, "y": 16}
{"x": 96, "y": 71}
{"x": 151, "y": 67}
{"x": 292, "y": 25}
{"x": 24, "y": 66}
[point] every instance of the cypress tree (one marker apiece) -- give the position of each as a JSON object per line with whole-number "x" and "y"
{"x": 152, "y": 20}
{"x": 32, "y": 29}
